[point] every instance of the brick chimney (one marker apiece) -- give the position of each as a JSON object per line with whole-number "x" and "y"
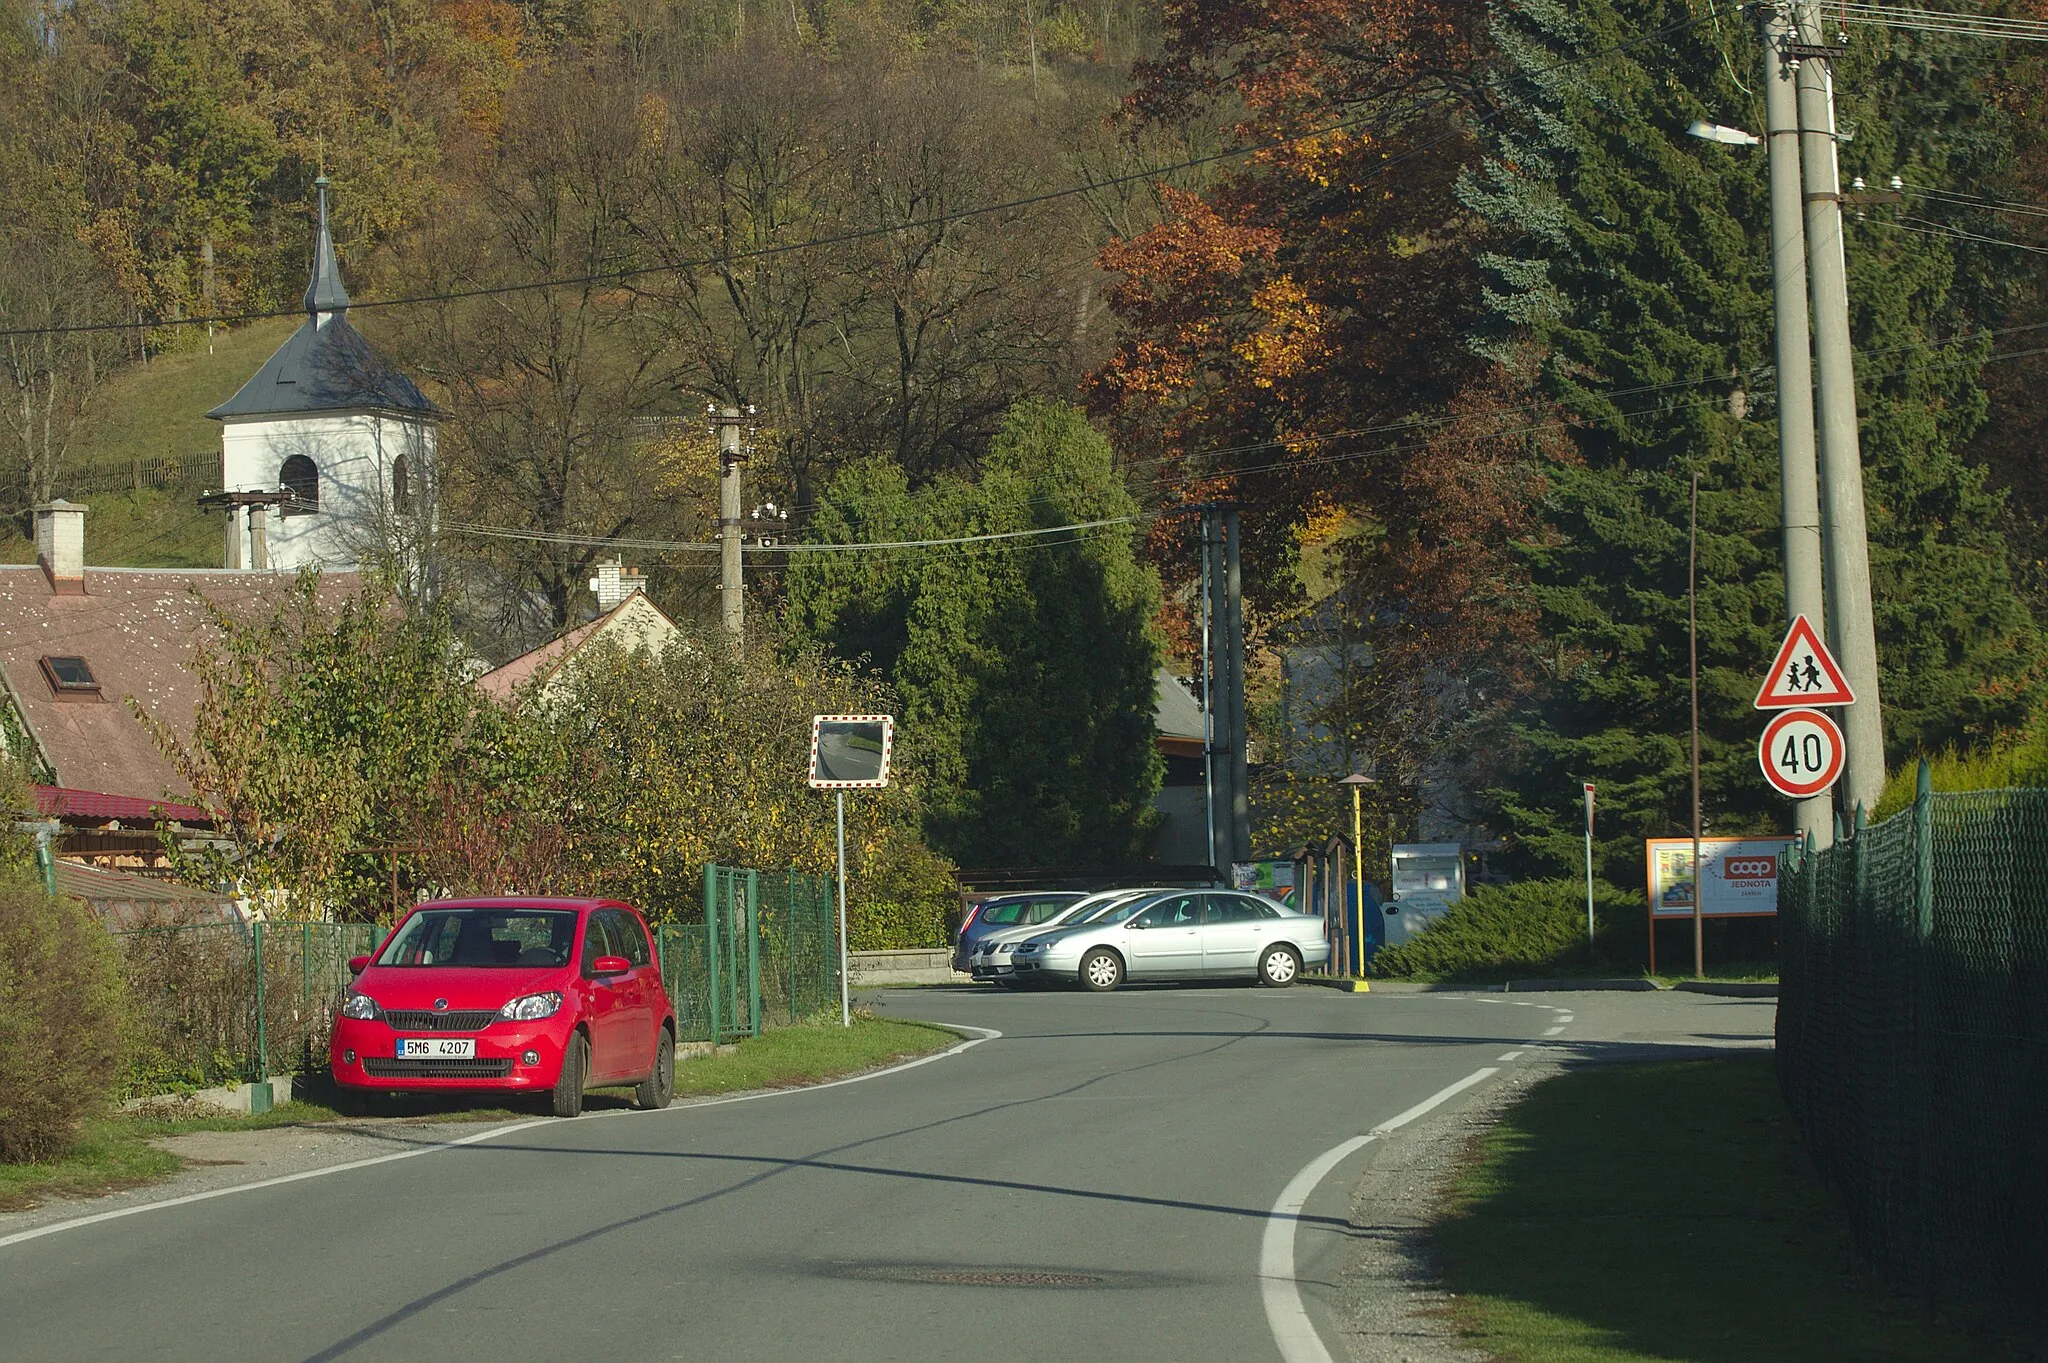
{"x": 614, "y": 583}
{"x": 60, "y": 546}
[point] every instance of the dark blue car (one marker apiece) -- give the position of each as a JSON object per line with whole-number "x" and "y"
{"x": 1007, "y": 911}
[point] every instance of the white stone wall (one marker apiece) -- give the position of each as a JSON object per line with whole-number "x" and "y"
{"x": 355, "y": 453}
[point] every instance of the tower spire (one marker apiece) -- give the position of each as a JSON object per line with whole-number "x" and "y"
{"x": 325, "y": 294}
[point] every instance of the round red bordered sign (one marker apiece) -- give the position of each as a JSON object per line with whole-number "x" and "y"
{"x": 1801, "y": 753}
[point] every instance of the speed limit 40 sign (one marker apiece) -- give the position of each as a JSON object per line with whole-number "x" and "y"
{"x": 1801, "y": 753}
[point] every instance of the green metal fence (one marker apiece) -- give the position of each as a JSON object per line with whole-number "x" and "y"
{"x": 1913, "y": 1040}
{"x": 214, "y": 1003}
{"x": 766, "y": 954}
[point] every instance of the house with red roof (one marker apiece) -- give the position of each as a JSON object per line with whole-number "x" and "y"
{"x": 627, "y": 618}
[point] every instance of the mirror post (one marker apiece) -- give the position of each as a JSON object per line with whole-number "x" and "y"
{"x": 845, "y": 1005}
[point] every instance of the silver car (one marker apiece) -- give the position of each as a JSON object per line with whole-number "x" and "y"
{"x": 992, "y": 954}
{"x": 1181, "y": 934}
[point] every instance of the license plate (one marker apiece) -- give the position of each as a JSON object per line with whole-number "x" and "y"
{"x": 436, "y": 1048}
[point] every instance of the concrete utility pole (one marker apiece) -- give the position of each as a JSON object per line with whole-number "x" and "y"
{"x": 1845, "y": 538}
{"x": 1230, "y": 838}
{"x": 732, "y": 599}
{"x": 1233, "y": 661}
{"x": 1798, "y": 476}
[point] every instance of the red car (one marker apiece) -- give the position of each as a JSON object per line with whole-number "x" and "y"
{"x": 551, "y": 996}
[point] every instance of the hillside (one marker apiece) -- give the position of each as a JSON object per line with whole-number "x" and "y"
{"x": 156, "y": 411}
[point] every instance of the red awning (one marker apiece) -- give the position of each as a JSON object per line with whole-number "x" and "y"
{"x": 57, "y": 802}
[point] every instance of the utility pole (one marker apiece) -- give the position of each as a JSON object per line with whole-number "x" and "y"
{"x": 1798, "y": 474}
{"x": 1208, "y": 685}
{"x": 1233, "y": 662}
{"x": 732, "y": 599}
{"x": 1845, "y": 537}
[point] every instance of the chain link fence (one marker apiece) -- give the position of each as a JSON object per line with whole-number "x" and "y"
{"x": 766, "y": 954}
{"x": 218, "y": 1003}
{"x": 1913, "y": 1041}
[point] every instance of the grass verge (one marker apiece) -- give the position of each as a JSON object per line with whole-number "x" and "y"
{"x": 114, "y": 1153}
{"x": 1665, "y": 1212}
{"x": 788, "y": 1056}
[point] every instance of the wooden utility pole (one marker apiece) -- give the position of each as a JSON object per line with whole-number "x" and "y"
{"x": 1692, "y": 610}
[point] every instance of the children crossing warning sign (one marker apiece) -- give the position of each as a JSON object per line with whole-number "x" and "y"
{"x": 1805, "y": 674}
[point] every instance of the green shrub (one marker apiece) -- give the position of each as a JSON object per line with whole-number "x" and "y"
{"x": 900, "y": 898}
{"x": 2011, "y": 760}
{"x": 61, "y": 1006}
{"x": 1536, "y": 927}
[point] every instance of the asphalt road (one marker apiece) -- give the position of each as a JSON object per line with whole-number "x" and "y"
{"x": 1096, "y": 1183}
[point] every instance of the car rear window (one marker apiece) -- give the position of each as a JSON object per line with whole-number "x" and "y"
{"x": 1006, "y": 912}
{"x": 484, "y": 938}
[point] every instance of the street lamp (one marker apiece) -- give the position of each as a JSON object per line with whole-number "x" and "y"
{"x": 1358, "y": 782}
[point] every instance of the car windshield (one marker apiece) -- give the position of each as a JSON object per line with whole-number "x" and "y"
{"x": 1092, "y": 909}
{"x": 483, "y": 937}
{"x": 1119, "y": 911}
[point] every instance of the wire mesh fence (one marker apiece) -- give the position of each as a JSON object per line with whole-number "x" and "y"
{"x": 217, "y": 1003}
{"x": 1913, "y": 1041}
{"x": 766, "y": 954}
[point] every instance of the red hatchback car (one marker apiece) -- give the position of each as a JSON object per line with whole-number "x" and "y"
{"x": 553, "y": 996}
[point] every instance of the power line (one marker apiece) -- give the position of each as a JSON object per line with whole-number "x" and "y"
{"x": 1961, "y": 23}
{"x": 933, "y": 220}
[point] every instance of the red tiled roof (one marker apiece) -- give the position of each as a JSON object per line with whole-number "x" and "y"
{"x": 136, "y": 628}
{"x": 59, "y": 802}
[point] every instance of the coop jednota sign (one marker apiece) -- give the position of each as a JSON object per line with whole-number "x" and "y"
{"x": 1741, "y": 879}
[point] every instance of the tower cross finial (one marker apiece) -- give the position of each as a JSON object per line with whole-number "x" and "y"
{"x": 325, "y": 295}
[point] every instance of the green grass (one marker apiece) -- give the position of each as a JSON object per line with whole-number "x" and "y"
{"x": 150, "y": 411}
{"x": 1665, "y": 1212}
{"x": 114, "y": 1152}
{"x": 788, "y": 1056}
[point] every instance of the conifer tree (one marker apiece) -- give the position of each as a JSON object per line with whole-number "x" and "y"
{"x": 1027, "y": 669}
{"x": 1631, "y": 289}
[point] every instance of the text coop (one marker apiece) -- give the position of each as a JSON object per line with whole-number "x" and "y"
{"x": 1750, "y": 868}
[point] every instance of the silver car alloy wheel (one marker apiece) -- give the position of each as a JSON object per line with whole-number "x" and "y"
{"x": 1279, "y": 965}
{"x": 1102, "y": 971}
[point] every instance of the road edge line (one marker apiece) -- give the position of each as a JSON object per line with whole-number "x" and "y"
{"x": 1279, "y": 1289}
{"x": 187, "y": 1199}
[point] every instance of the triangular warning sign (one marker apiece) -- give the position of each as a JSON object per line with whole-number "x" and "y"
{"x": 1805, "y": 673}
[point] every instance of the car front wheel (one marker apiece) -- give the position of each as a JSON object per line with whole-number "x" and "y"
{"x": 1279, "y": 967}
{"x": 565, "y": 1099}
{"x": 655, "y": 1091}
{"x": 1101, "y": 970}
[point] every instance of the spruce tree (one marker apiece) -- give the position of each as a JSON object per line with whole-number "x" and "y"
{"x": 1631, "y": 290}
{"x": 1028, "y": 667}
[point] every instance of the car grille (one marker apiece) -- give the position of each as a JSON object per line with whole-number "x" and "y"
{"x": 386, "y": 1067}
{"x": 421, "y": 1020}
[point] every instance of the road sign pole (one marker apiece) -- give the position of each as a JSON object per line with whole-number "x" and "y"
{"x": 845, "y": 1003}
{"x": 1589, "y": 866}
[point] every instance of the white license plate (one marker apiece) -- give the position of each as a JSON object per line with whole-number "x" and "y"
{"x": 436, "y": 1048}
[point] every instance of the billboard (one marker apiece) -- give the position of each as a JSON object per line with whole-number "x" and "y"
{"x": 850, "y": 752}
{"x": 1741, "y": 878}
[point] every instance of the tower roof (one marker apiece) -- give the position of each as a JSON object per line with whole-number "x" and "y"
{"x": 326, "y": 365}
{"x": 325, "y": 292}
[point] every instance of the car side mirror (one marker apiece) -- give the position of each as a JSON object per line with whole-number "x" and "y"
{"x": 1391, "y": 910}
{"x": 358, "y": 964}
{"x": 1135, "y": 924}
{"x": 610, "y": 965}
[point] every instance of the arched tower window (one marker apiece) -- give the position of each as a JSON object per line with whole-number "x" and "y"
{"x": 401, "y": 487}
{"x": 300, "y": 478}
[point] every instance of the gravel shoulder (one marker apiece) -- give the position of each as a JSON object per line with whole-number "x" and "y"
{"x": 1388, "y": 1303}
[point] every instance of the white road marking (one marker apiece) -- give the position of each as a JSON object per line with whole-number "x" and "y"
{"x": 988, "y": 1034}
{"x": 1286, "y": 1316}
{"x": 1511, "y": 1055}
{"x": 1553, "y": 1031}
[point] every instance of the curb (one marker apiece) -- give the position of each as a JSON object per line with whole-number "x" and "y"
{"x": 1573, "y": 986}
{"x": 1734, "y": 989}
{"x": 1341, "y": 983}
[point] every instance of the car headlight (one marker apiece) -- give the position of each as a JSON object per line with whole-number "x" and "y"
{"x": 1005, "y": 946}
{"x": 532, "y": 1007}
{"x": 361, "y": 1007}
